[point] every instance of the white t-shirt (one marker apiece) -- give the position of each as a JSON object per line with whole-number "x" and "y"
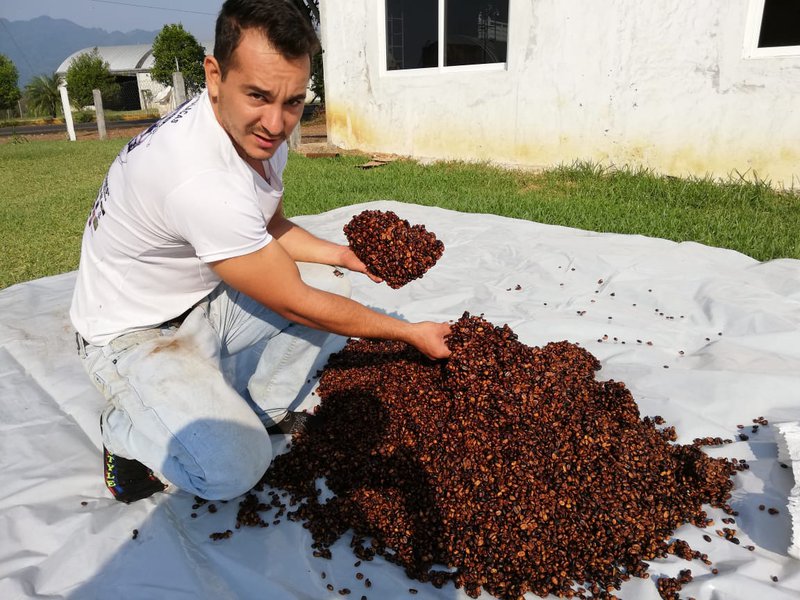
{"x": 177, "y": 197}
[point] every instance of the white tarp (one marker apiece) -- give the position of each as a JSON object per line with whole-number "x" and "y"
{"x": 726, "y": 326}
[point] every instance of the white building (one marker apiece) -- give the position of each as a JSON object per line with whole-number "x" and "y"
{"x": 131, "y": 67}
{"x": 681, "y": 87}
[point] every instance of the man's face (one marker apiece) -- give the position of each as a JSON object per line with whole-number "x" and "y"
{"x": 261, "y": 98}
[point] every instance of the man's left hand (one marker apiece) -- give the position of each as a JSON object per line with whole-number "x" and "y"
{"x": 349, "y": 260}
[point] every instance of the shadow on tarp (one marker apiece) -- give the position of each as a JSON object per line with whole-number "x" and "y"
{"x": 172, "y": 554}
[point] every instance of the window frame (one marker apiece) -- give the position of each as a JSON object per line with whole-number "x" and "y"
{"x": 752, "y": 31}
{"x": 440, "y": 30}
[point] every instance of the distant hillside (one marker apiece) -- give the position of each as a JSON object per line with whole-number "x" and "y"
{"x": 39, "y": 45}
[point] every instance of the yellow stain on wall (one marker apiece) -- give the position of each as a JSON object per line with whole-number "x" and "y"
{"x": 349, "y": 130}
{"x": 778, "y": 165}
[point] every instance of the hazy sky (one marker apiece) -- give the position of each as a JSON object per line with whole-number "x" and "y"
{"x": 197, "y": 16}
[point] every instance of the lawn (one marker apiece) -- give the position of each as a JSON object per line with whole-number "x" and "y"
{"x": 48, "y": 188}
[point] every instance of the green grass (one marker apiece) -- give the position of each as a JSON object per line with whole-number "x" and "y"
{"x": 746, "y": 216}
{"x": 47, "y": 189}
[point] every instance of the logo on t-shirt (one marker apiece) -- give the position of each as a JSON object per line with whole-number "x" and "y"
{"x": 98, "y": 208}
{"x": 173, "y": 117}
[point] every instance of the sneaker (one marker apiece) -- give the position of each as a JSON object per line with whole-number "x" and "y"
{"x": 129, "y": 480}
{"x": 293, "y": 422}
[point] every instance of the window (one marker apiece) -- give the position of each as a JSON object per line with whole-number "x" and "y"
{"x": 475, "y": 33}
{"x": 773, "y": 28}
{"x": 780, "y": 24}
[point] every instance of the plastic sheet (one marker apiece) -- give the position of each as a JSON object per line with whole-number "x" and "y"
{"x": 726, "y": 327}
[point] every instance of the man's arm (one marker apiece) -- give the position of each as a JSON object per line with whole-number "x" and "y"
{"x": 270, "y": 276}
{"x": 303, "y": 246}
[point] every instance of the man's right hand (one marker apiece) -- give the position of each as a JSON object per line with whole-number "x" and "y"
{"x": 428, "y": 338}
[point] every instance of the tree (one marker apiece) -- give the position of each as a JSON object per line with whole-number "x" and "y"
{"x": 42, "y": 95}
{"x": 310, "y": 8}
{"x": 89, "y": 72}
{"x": 176, "y": 49}
{"x": 9, "y": 92}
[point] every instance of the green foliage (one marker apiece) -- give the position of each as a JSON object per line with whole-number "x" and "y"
{"x": 9, "y": 92}
{"x": 310, "y": 8}
{"x": 82, "y": 116}
{"x": 89, "y": 72}
{"x": 173, "y": 43}
{"x": 42, "y": 96}
{"x": 318, "y": 78}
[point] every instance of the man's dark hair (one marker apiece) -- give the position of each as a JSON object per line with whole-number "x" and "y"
{"x": 280, "y": 21}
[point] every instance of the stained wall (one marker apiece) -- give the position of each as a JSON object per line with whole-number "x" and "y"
{"x": 665, "y": 86}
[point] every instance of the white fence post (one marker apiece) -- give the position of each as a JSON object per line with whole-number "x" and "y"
{"x": 67, "y": 112}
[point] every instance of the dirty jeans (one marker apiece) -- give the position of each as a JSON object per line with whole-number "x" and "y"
{"x": 192, "y": 402}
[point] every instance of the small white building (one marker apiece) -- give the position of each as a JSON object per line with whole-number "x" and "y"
{"x": 131, "y": 66}
{"x": 681, "y": 87}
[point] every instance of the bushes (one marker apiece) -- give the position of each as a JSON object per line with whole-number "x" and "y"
{"x": 82, "y": 116}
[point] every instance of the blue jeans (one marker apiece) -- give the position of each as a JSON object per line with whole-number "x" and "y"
{"x": 192, "y": 402}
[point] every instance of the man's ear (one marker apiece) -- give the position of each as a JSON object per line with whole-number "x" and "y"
{"x": 213, "y": 75}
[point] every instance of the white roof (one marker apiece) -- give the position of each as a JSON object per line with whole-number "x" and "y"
{"x": 135, "y": 58}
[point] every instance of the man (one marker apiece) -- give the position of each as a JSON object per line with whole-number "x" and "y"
{"x": 199, "y": 307}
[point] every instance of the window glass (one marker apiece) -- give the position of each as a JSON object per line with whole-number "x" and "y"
{"x": 411, "y": 34}
{"x": 476, "y": 32}
{"x": 780, "y": 25}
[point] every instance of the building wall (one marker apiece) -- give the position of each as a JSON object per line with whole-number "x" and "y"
{"x": 663, "y": 86}
{"x": 151, "y": 91}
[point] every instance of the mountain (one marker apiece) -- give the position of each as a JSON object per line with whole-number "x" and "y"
{"x": 40, "y": 45}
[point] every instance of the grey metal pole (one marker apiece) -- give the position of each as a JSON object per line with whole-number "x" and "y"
{"x": 294, "y": 139}
{"x": 178, "y": 88}
{"x": 100, "y": 114}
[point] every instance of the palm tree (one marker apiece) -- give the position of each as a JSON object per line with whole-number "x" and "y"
{"x": 42, "y": 95}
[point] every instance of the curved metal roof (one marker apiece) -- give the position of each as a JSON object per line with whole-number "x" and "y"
{"x": 136, "y": 58}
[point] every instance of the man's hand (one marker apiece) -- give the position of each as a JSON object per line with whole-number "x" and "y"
{"x": 349, "y": 260}
{"x": 428, "y": 338}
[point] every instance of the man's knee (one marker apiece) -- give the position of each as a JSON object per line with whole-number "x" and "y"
{"x": 230, "y": 465}
{"x": 325, "y": 277}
